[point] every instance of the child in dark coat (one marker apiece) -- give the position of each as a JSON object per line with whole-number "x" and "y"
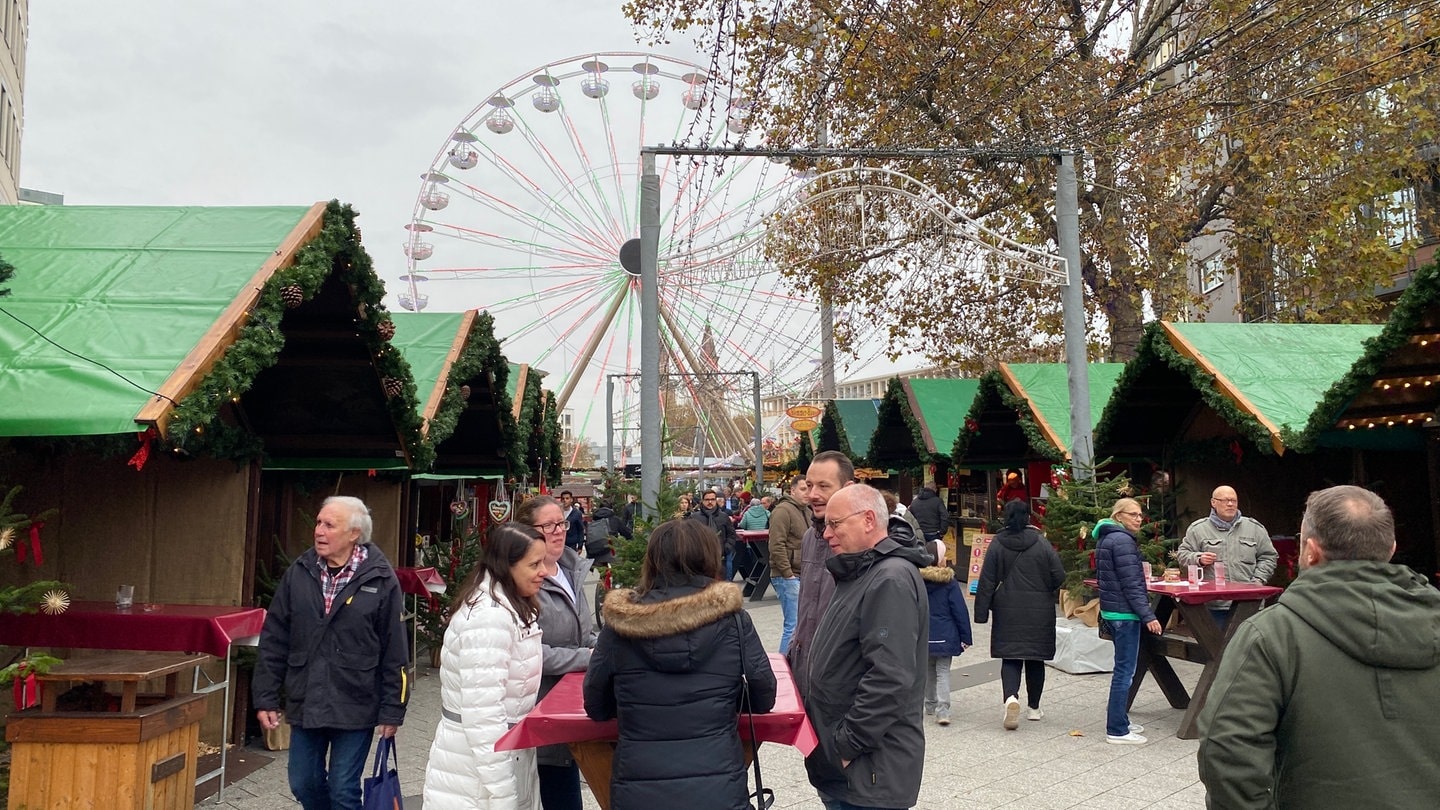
{"x": 949, "y": 636}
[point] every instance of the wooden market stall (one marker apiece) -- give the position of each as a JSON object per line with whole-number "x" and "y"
{"x": 1212, "y": 404}
{"x": 167, "y": 370}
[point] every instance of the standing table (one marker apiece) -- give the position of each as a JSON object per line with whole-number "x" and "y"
{"x": 561, "y": 718}
{"x": 211, "y": 629}
{"x": 759, "y": 573}
{"x": 137, "y": 752}
{"x": 1207, "y": 647}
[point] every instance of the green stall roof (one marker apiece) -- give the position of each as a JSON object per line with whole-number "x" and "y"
{"x": 1264, "y": 380}
{"x": 1277, "y": 372}
{"x": 859, "y": 418}
{"x": 1046, "y": 387}
{"x": 940, "y": 405}
{"x": 107, "y": 301}
{"x": 427, "y": 340}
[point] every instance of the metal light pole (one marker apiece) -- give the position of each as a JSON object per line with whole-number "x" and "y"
{"x": 759, "y": 440}
{"x": 1072, "y": 301}
{"x": 650, "y": 427}
{"x": 610, "y": 423}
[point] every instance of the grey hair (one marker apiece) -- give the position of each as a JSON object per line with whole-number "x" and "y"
{"x": 868, "y": 497}
{"x": 358, "y": 514}
{"x": 1349, "y": 523}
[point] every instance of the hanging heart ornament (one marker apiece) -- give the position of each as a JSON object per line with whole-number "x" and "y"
{"x": 500, "y": 511}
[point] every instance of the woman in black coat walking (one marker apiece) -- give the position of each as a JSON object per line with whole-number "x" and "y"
{"x": 668, "y": 664}
{"x": 1019, "y": 582}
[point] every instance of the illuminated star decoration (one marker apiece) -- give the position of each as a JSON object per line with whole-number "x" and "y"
{"x": 55, "y": 602}
{"x": 7, "y": 536}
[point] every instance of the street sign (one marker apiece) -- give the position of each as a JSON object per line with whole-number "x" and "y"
{"x": 803, "y": 412}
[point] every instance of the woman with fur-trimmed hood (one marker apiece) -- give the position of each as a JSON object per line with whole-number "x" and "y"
{"x": 669, "y": 662}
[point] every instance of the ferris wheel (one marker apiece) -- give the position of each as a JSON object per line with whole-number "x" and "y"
{"x": 530, "y": 210}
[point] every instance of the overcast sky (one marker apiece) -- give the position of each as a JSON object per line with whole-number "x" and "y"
{"x": 200, "y": 102}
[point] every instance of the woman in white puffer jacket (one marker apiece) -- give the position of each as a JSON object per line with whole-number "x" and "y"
{"x": 489, "y": 676}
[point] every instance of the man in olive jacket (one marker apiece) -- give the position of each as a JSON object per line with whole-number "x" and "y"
{"x": 867, "y": 662}
{"x": 789, "y": 519}
{"x": 1328, "y": 698}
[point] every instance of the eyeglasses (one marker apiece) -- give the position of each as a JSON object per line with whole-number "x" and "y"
{"x": 833, "y": 524}
{"x": 1223, "y": 500}
{"x": 547, "y": 528}
{"x": 1133, "y": 514}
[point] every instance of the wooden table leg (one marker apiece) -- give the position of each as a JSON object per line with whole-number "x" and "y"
{"x": 1213, "y": 640}
{"x": 128, "y": 691}
{"x": 596, "y": 760}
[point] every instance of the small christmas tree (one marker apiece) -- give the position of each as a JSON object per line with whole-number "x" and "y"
{"x": 1074, "y": 509}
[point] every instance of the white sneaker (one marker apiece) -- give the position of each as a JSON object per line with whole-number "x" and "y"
{"x": 1012, "y": 713}
{"x": 1035, "y": 714}
{"x": 1136, "y": 728}
{"x": 1129, "y": 739}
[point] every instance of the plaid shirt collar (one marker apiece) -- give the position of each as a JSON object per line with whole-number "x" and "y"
{"x": 331, "y": 586}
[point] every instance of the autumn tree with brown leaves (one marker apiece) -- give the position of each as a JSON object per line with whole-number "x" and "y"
{"x": 1278, "y": 129}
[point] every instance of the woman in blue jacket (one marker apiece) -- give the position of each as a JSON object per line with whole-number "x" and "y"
{"x": 1125, "y": 604}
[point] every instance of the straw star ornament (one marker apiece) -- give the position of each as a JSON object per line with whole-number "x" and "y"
{"x": 55, "y": 602}
{"x": 7, "y": 536}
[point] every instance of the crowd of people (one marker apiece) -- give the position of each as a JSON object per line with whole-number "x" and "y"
{"x": 1319, "y": 701}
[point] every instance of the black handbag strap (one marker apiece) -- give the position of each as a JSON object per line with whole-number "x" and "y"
{"x": 763, "y": 796}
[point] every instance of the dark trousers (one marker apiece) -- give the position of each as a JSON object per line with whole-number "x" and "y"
{"x": 1034, "y": 679}
{"x": 560, "y": 787}
{"x": 336, "y": 787}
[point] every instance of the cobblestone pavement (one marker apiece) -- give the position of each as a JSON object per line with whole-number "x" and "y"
{"x": 1059, "y": 762}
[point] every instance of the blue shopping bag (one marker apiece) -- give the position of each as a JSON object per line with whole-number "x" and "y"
{"x": 382, "y": 786}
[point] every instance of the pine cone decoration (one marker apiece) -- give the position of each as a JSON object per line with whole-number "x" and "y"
{"x": 292, "y": 295}
{"x": 465, "y": 392}
{"x": 393, "y": 386}
{"x": 386, "y": 330}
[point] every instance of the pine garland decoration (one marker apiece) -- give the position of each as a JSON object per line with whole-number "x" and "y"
{"x": 1414, "y": 310}
{"x": 196, "y": 425}
{"x": 898, "y": 442}
{"x": 480, "y": 355}
{"x": 832, "y": 435}
{"x": 1155, "y": 348}
{"x": 993, "y": 390}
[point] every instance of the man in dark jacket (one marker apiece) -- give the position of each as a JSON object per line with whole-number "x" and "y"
{"x": 788, "y": 522}
{"x": 719, "y": 522}
{"x": 574, "y": 521}
{"x": 930, "y": 512}
{"x": 1328, "y": 698}
{"x": 333, "y": 638}
{"x": 867, "y": 662}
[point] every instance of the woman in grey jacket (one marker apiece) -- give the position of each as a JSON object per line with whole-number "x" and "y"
{"x": 567, "y": 639}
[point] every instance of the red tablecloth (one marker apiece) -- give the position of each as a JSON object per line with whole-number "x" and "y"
{"x": 158, "y": 628}
{"x": 560, "y": 717}
{"x": 420, "y": 581}
{"x": 1210, "y": 592}
{"x": 753, "y": 535}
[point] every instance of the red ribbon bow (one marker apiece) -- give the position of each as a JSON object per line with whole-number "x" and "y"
{"x": 143, "y": 454}
{"x": 35, "y": 550}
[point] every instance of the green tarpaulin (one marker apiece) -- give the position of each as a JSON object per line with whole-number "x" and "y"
{"x": 940, "y": 407}
{"x": 1277, "y": 372}
{"x": 425, "y": 339}
{"x": 858, "y": 418}
{"x": 1046, "y": 386}
{"x": 107, "y": 301}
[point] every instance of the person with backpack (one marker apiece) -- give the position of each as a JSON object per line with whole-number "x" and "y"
{"x": 604, "y": 524}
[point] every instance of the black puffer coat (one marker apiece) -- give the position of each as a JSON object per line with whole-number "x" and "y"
{"x": 668, "y": 666}
{"x": 1019, "y": 583}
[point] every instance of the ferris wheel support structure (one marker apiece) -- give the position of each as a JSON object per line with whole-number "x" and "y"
{"x": 588, "y": 352}
{"x": 1067, "y": 220}
{"x": 729, "y": 434}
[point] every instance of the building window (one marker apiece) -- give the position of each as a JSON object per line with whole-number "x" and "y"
{"x": 1212, "y": 274}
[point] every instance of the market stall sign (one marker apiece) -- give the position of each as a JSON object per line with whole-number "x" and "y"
{"x": 803, "y": 412}
{"x": 804, "y": 425}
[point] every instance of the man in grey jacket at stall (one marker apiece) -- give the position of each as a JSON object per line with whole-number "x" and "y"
{"x": 867, "y": 661}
